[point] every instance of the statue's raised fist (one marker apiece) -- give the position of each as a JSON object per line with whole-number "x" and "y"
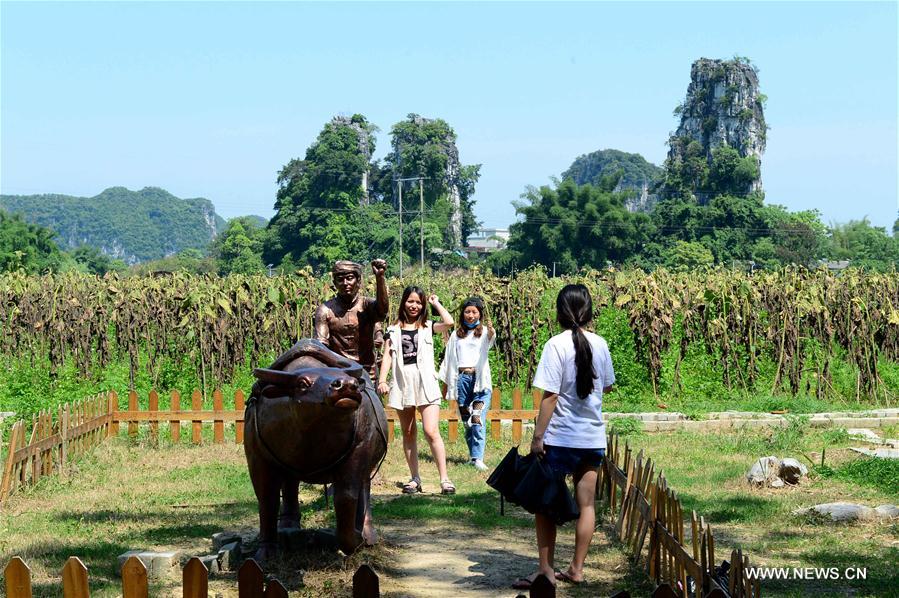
{"x": 379, "y": 267}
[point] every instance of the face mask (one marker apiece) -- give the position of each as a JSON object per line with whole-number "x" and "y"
{"x": 473, "y": 325}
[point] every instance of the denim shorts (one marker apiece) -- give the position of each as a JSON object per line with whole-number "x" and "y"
{"x": 565, "y": 460}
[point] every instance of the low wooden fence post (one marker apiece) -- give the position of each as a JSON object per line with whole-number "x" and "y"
{"x": 132, "y": 406}
{"x": 218, "y": 424}
{"x": 495, "y": 407}
{"x": 154, "y": 424}
{"x": 113, "y": 403}
{"x": 195, "y": 579}
{"x": 6, "y": 483}
{"x": 250, "y": 580}
{"x": 516, "y": 422}
{"x": 64, "y": 439}
{"x": 175, "y": 424}
{"x": 134, "y": 579}
{"x": 275, "y": 589}
{"x": 18, "y": 579}
{"x": 74, "y": 579}
{"x": 366, "y": 583}
{"x": 453, "y": 425}
{"x": 239, "y": 406}
{"x": 197, "y": 405}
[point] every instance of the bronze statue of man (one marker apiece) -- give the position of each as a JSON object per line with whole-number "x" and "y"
{"x": 346, "y": 323}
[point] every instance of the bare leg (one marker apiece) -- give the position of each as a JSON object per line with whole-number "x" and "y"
{"x": 585, "y": 494}
{"x": 546, "y": 546}
{"x": 430, "y": 416}
{"x": 410, "y": 439}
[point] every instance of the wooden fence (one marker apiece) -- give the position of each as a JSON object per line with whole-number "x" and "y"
{"x": 55, "y": 439}
{"x": 648, "y": 506}
{"x": 251, "y": 582}
{"x": 50, "y": 445}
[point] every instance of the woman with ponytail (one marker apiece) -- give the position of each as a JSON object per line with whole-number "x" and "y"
{"x": 575, "y": 371}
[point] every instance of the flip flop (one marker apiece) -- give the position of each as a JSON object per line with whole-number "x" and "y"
{"x": 563, "y": 576}
{"x": 522, "y": 583}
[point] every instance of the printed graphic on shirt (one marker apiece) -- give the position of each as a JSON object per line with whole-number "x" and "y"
{"x": 410, "y": 346}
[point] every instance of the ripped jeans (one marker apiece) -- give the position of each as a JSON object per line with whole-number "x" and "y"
{"x": 473, "y": 411}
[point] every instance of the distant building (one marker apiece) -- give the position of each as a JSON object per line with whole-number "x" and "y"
{"x": 486, "y": 240}
{"x": 834, "y": 265}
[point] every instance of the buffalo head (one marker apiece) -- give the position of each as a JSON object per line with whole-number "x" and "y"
{"x": 323, "y": 385}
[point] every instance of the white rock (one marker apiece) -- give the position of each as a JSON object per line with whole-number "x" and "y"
{"x": 841, "y": 511}
{"x": 764, "y": 470}
{"x": 776, "y": 483}
{"x": 887, "y": 511}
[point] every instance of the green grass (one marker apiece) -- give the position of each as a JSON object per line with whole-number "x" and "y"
{"x": 707, "y": 472}
{"x": 127, "y": 495}
{"x": 882, "y": 474}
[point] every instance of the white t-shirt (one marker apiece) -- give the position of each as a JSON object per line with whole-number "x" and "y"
{"x": 468, "y": 350}
{"x": 576, "y": 422}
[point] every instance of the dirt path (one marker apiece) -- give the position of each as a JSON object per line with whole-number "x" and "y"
{"x": 467, "y": 561}
{"x": 462, "y": 561}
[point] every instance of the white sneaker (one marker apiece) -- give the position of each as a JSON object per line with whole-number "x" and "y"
{"x": 479, "y": 465}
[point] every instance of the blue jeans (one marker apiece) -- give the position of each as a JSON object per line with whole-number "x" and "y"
{"x": 473, "y": 411}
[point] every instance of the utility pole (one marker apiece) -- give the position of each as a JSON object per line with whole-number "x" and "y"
{"x": 400, "y": 183}
{"x": 421, "y": 213}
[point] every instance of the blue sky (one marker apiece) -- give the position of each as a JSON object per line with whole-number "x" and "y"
{"x": 211, "y": 99}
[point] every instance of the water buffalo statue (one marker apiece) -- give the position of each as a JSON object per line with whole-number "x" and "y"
{"x": 313, "y": 417}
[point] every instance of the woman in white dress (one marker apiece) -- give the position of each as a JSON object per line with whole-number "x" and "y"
{"x": 409, "y": 358}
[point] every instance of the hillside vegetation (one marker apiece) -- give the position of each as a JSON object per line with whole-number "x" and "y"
{"x": 133, "y": 226}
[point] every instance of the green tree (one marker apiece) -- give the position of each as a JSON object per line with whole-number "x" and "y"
{"x": 575, "y": 226}
{"x": 192, "y": 261}
{"x": 93, "y": 261}
{"x": 729, "y": 173}
{"x": 319, "y": 216}
{"x": 238, "y": 249}
{"x": 27, "y": 246}
{"x": 865, "y": 245}
{"x": 427, "y": 148}
{"x": 688, "y": 255}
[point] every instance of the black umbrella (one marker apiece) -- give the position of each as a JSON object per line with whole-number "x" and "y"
{"x": 529, "y": 483}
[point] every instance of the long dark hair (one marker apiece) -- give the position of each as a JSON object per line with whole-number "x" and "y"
{"x": 574, "y": 310}
{"x": 475, "y": 302}
{"x": 423, "y": 315}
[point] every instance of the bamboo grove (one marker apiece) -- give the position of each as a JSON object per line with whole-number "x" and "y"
{"x": 801, "y": 323}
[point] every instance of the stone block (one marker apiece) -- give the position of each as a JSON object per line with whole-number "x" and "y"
{"x": 211, "y": 562}
{"x": 230, "y": 556}
{"x": 222, "y": 538}
{"x": 887, "y": 512}
{"x": 158, "y": 564}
